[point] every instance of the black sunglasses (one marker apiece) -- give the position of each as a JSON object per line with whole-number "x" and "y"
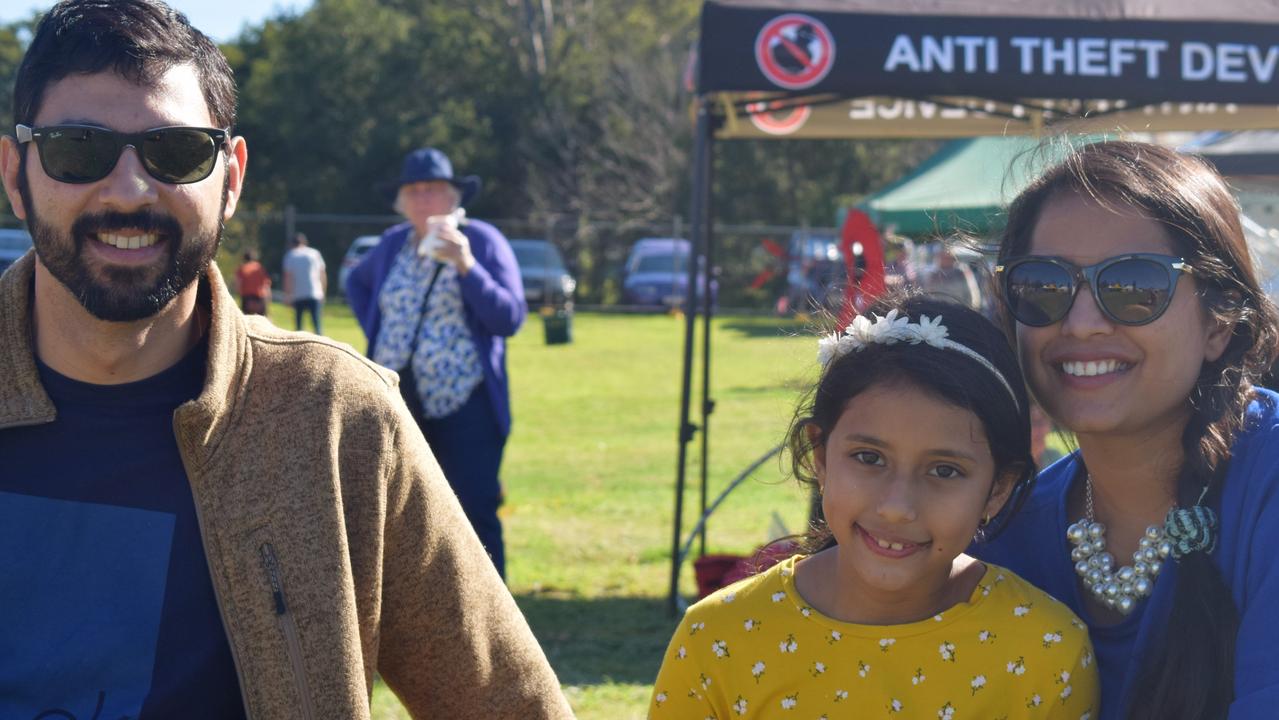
{"x": 84, "y": 154}
{"x": 1132, "y": 289}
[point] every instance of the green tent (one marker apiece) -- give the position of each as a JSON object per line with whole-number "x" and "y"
{"x": 963, "y": 187}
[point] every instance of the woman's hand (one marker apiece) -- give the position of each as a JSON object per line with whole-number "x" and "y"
{"x": 451, "y": 245}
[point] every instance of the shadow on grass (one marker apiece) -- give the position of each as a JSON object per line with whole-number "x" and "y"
{"x": 791, "y": 385}
{"x": 764, "y": 327}
{"x": 600, "y": 640}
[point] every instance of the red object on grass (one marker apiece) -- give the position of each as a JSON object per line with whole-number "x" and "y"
{"x": 866, "y": 285}
{"x": 716, "y": 571}
{"x": 711, "y": 571}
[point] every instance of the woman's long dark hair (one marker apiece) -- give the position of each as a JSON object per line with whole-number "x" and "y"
{"x": 1189, "y": 672}
{"x": 947, "y": 375}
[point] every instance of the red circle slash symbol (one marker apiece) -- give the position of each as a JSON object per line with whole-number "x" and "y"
{"x": 795, "y": 51}
{"x": 775, "y": 119}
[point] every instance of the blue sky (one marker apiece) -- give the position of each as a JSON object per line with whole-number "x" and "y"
{"x": 220, "y": 20}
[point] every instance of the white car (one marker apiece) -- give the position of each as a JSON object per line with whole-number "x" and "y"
{"x": 354, "y": 254}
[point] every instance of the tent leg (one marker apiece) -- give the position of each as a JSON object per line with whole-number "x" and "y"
{"x": 701, "y": 153}
{"x": 708, "y": 310}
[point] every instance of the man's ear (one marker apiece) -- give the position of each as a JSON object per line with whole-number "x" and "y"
{"x": 10, "y": 161}
{"x": 237, "y": 159}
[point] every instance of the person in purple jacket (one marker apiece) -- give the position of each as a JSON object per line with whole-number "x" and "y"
{"x": 1129, "y": 291}
{"x": 436, "y": 299}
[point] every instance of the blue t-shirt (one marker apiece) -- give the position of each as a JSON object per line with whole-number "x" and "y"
{"x": 1035, "y": 547}
{"x": 107, "y": 610}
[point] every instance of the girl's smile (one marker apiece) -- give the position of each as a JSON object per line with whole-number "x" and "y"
{"x": 884, "y": 544}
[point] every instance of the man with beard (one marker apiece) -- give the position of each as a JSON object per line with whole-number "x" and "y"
{"x": 202, "y": 516}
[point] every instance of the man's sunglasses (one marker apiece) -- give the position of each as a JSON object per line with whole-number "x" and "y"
{"x": 1130, "y": 289}
{"x": 84, "y": 154}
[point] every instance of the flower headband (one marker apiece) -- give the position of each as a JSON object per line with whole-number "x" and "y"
{"x": 891, "y": 329}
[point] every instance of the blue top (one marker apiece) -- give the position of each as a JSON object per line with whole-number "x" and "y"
{"x": 1035, "y": 546}
{"x": 107, "y": 608}
{"x": 492, "y": 297}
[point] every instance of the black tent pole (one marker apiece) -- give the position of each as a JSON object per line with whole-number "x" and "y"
{"x": 708, "y": 310}
{"x": 701, "y": 152}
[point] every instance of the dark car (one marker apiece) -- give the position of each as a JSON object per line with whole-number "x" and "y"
{"x": 656, "y": 273}
{"x": 14, "y": 243}
{"x": 546, "y": 280}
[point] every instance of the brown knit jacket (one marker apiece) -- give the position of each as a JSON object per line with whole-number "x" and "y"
{"x": 336, "y": 547}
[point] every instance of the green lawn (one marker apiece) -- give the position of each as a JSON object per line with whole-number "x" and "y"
{"x": 590, "y": 470}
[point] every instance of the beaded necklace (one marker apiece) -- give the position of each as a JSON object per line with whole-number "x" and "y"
{"x": 1123, "y": 588}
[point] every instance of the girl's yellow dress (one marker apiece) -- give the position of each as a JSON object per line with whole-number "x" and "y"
{"x": 755, "y": 649}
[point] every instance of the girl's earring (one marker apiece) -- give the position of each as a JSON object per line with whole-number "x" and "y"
{"x": 980, "y": 535}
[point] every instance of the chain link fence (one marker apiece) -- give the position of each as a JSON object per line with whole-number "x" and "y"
{"x": 754, "y": 267}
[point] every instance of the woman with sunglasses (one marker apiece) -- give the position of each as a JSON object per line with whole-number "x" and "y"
{"x": 1128, "y": 289}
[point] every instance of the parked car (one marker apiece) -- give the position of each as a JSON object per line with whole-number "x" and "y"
{"x": 354, "y": 254}
{"x": 656, "y": 273}
{"x": 14, "y": 243}
{"x": 546, "y": 280}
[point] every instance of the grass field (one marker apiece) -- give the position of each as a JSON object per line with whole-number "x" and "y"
{"x": 589, "y": 472}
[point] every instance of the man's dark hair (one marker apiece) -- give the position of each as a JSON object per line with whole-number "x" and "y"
{"x": 299, "y": 240}
{"x": 139, "y": 40}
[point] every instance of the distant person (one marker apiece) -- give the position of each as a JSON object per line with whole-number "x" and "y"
{"x": 203, "y": 515}
{"x": 899, "y": 265}
{"x": 950, "y": 277}
{"x": 917, "y": 439}
{"x": 305, "y": 282}
{"x": 437, "y": 298}
{"x": 253, "y": 284}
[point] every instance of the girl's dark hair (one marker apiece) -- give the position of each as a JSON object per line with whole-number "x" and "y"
{"x": 1189, "y": 672}
{"x": 946, "y": 374}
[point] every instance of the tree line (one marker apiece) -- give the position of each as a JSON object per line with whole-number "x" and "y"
{"x": 573, "y": 112}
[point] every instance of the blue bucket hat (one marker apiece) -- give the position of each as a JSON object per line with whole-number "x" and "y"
{"x": 426, "y": 164}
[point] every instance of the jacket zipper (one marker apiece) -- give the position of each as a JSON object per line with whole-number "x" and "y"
{"x": 288, "y": 626}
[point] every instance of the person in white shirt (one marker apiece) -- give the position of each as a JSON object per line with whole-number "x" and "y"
{"x": 305, "y": 282}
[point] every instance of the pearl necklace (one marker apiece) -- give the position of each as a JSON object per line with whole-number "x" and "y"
{"x": 1118, "y": 589}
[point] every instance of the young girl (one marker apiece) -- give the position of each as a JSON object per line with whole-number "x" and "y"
{"x": 916, "y": 436}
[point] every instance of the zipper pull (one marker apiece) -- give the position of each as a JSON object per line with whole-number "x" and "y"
{"x": 272, "y": 567}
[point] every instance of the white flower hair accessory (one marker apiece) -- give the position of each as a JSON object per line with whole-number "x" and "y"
{"x": 894, "y": 328}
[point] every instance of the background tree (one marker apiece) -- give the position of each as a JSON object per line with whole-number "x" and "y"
{"x": 573, "y": 111}
{"x": 12, "y": 45}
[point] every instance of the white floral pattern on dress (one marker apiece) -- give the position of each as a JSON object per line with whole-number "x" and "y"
{"x": 784, "y": 662}
{"x": 446, "y": 365}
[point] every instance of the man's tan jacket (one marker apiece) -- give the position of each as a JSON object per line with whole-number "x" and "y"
{"x": 337, "y": 549}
